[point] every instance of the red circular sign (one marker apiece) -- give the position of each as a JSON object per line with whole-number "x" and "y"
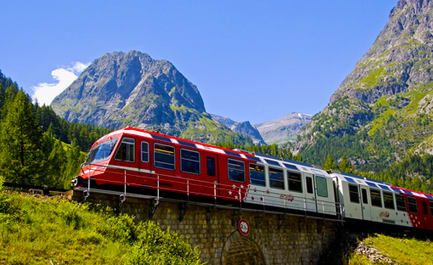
{"x": 243, "y": 227}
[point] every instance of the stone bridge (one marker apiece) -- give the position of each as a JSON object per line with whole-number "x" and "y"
{"x": 228, "y": 235}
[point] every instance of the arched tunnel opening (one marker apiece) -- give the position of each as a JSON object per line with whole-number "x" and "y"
{"x": 241, "y": 250}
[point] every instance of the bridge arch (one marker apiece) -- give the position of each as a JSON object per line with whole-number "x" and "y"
{"x": 241, "y": 250}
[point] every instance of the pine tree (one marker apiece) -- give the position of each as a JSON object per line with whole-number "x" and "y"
{"x": 56, "y": 163}
{"x": 9, "y": 96}
{"x": 20, "y": 141}
{"x": 329, "y": 163}
{"x": 344, "y": 165}
{"x": 74, "y": 158}
{"x": 2, "y": 97}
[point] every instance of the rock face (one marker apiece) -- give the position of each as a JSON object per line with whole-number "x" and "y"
{"x": 223, "y": 120}
{"x": 380, "y": 111}
{"x": 245, "y": 128}
{"x": 283, "y": 130}
{"x": 132, "y": 89}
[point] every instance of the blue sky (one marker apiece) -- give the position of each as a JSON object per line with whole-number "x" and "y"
{"x": 251, "y": 60}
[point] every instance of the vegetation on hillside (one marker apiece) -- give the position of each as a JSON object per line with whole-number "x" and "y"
{"x": 398, "y": 250}
{"x": 279, "y": 151}
{"x": 56, "y": 231}
{"x": 208, "y": 130}
{"x": 36, "y": 146}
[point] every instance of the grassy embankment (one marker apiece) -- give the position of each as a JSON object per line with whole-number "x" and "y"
{"x": 399, "y": 250}
{"x": 50, "y": 230}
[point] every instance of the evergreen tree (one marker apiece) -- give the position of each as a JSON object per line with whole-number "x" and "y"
{"x": 2, "y": 97}
{"x": 345, "y": 166}
{"x": 329, "y": 163}
{"x": 20, "y": 141}
{"x": 74, "y": 158}
{"x": 9, "y": 96}
{"x": 56, "y": 166}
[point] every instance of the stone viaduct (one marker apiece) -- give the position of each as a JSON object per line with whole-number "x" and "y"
{"x": 272, "y": 238}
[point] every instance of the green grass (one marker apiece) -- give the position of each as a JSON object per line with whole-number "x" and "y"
{"x": 208, "y": 130}
{"x": 399, "y": 250}
{"x": 373, "y": 78}
{"x": 53, "y": 230}
{"x": 380, "y": 121}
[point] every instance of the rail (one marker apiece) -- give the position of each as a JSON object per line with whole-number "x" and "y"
{"x": 139, "y": 178}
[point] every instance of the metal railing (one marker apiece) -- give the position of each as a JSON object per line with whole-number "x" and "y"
{"x": 241, "y": 194}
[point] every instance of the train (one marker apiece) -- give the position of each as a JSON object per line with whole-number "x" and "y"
{"x": 139, "y": 161}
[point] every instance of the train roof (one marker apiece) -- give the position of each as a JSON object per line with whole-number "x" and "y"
{"x": 266, "y": 159}
{"x": 184, "y": 142}
{"x": 381, "y": 185}
{"x": 256, "y": 157}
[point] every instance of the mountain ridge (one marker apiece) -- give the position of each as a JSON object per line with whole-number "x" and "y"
{"x": 378, "y": 114}
{"x": 285, "y": 129}
{"x": 131, "y": 89}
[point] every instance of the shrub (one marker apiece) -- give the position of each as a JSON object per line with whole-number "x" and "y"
{"x": 155, "y": 246}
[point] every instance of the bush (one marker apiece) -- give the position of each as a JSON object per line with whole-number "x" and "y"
{"x": 155, "y": 246}
{"x": 52, "y": 230}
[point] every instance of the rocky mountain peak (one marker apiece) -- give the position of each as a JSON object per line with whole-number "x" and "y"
{"x": 128, "y": 86}
{"x": 392, "y": 65}
{"x": 379, "y": 114}
{"x": 132, "y": 89}
{"x": 284, "y": 129}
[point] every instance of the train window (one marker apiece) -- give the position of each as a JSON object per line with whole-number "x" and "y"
{"x": 276, "y": 178}
{"x": 401, "y": 206}
{"x": 190, "y": 161}
{"x": 364, "y": 196}
{"x": 376, "y": 198}
{"x": 431, "y": 207}
{"x": 295, "y": 181}
{"x": 321, "y": 186}
{"x": 257, "y": 175}
{"x": 101, "y": 151}
{"x": 126, "y": 150}
{"x": 411, "y": 202}
{"x": 164, "y": 156}
{"x": 388, "y": 200}
{"x": 144, "y": 152}
{"x": 353, "y": 193}
{"x": 210, "y": 164}
{"x": 424, "y": 207}
{"x": 309, "y": 185}
{"x": 236, "y": 170}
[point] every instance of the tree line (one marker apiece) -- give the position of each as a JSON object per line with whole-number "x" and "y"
{"x": 415, "y": 172}
{"x": 37, "y": 147}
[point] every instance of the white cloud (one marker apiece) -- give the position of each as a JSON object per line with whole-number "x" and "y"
{"x": 44, "y": 93}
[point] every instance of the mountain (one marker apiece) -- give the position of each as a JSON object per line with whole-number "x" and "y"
{"x": 283, "y": 130}
{"x": 223, "y": 120}
{"x": 132, "y": 89}
{"x": 245, "y": 128}
{"x": 382, "y": 111}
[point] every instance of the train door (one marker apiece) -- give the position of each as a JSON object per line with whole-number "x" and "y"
{"x": 202, "y": 184}
{"x": 232, "y": 178}
{"x": 365, "y": 206}
{"x": 310, "y": 194}
{"x": 124, "y": 166}
{"x": 429, "y": 224}
{"x": 353, "y": 205}
{"x": 146, "y": 177}
{"x": 424, "y": 213}
{"x": 324, "y": 195}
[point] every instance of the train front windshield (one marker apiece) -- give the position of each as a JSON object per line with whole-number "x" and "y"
{"x": 101, "y": 151}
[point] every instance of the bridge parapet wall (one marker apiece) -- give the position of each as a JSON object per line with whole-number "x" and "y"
{"x": 272, "y": 238}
